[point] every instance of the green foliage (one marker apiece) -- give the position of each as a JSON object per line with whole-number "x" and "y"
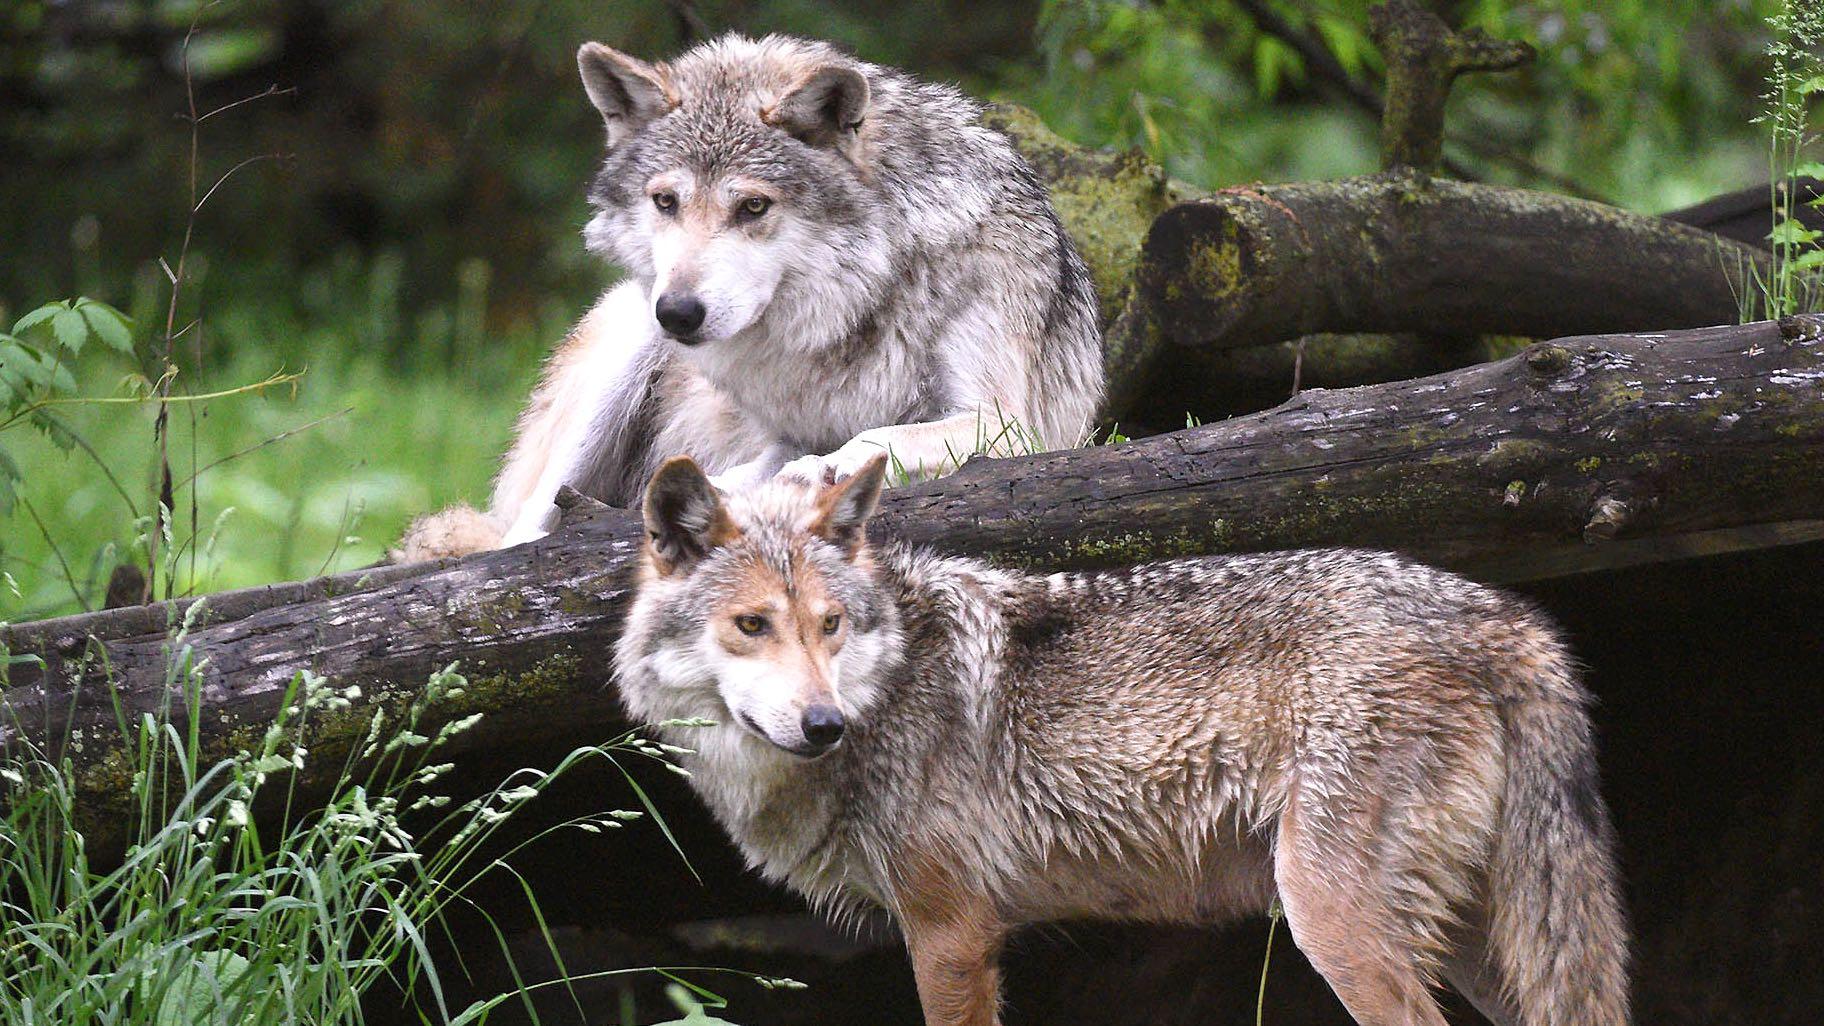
{"x": 1795, "y": 76}
{"x": 213, "y": 919}
{"x": 35, "y": 373}
{"x": 1646, "y": 102}
{"x": 288, "y": 485}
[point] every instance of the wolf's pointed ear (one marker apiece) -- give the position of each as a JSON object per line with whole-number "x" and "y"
{"x": 843, "y": 508}
{"x": 685, "y": 518}
{"x": 629, "y": 92}
{"x": 824, "y": 108}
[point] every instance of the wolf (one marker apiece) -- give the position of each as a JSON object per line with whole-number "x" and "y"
{"x": 826, "y": 259}
{"x": 1400, "y": 757}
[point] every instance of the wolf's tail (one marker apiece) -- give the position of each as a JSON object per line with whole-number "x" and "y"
{"x": 1557, "y": 932}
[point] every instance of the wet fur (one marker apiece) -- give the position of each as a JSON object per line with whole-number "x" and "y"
{"x": 1400, "y": 756}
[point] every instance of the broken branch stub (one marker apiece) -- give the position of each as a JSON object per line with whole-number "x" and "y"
{"x": 1424, "y": 57}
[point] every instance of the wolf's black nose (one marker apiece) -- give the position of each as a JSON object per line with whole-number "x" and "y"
{"x": 823, "y": 725}
{"x": 679, "y": 313}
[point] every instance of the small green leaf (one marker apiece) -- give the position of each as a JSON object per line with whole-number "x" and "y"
{"x": 203, "y": 986}
{"x": 25, "y": 367}
{"x": 9, "y": 473}
{"x": 55, "y": 429}
{"x": 1811, "y": 85}
{"x": 1792, "y": 233}
{"x": 1346, "y": 41}
{"x": 109, "y": 325}
{"x": 1808, "y": 260}
{"x": 1809, "y": 169}
{"x": 1274, "y": 63}
{"x": 38, "y": 316}
{"x": 71, "y": 330}
{"x": 135, "y": 385}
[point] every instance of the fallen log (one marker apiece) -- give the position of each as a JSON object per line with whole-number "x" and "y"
{"x": 1404, "y": 252}
{"x": 1576, "y": 454}
{"x": 1185, "y": 276}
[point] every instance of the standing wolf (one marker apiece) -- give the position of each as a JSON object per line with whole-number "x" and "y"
{"x": 826, "y": 259}
{"x": 1402, "y": 757}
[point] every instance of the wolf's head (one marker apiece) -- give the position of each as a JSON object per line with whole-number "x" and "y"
{"x": 759, "y": 609}
{"x": 735, "y": 173}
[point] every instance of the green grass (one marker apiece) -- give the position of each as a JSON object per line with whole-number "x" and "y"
{"x": 216, "y": 919}
{"x": 378, "y": 446}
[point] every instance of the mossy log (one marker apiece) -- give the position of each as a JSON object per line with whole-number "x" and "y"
{"x": 1575, "y": 454}
{"x": 1403, "y": 252}
{"x": 1184, "y": 276}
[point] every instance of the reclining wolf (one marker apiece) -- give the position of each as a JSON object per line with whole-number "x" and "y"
{"x": 826, "y": 259}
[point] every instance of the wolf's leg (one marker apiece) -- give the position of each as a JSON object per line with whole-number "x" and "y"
{"x": 955, "y": 964}
{"x": 922, "y": 451}
{"x": 1329, "y": 884}
{"x": 761, "y": 468}
{"x": 954, "y": 938}
{"x": 580, "y": 413}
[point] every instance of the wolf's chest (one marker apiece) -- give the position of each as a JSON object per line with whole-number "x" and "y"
{"x": 820, "y": 400}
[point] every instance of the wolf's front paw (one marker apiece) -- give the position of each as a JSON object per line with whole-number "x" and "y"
{"x": 527, "y": 530}
{"x": 740, "y": 478}
{"x": 840, "y": 465}
{"x": 812, "y": 469}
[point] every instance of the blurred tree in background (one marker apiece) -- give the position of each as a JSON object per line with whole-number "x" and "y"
{"x": 415, "y": 138}
{"x": 408, "y": 228}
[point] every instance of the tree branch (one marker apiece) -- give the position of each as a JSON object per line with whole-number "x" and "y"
{"x": 1424, "y": 58}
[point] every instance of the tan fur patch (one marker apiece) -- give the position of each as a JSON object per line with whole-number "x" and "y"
{"x": 794, "y": 620}
{"x": 954, "y": 937}
{"x": 456, "y": 531}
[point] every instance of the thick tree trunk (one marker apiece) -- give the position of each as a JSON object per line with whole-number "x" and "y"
{"x": 1576, "y": 454}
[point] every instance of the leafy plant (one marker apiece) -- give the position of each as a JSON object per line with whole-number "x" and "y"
{"x": 35, "y": 371}
{"x": 1795, "y": 76}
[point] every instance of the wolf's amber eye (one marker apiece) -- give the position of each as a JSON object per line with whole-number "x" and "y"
{"x": 754, "y": 206}
{"x": 831, "y": 623}
{"x": 749, "y": 624}
{"x": 666, "y": 201}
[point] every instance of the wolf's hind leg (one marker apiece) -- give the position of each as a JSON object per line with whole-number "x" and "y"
{"x": 1341, "y": 920}
{"x": 1472, "y": 972}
